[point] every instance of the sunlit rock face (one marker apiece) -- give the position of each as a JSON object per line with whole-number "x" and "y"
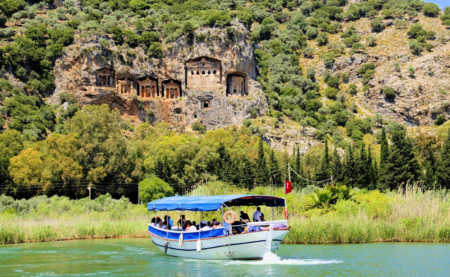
{"x": 210, "y": 80}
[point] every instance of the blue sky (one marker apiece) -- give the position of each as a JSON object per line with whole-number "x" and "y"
{"x": 441, "y": 3}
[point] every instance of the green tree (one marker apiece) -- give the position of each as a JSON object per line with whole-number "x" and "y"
{"x": 384, "y": 149}
{"x": 373, "y": 172}
{"x": 154, "y": 189}
{"x": 262, "y": 176}
{"x": 401, "y": 166}
{"x": 349, "y": 174}
{"x": 443, "y": 165}
{"x": 9, "y": 7}
{"x": 337, "y": 166}
{"x": 102, "y": 150}
{"x": 431, "y": 9}
{"x": 274, "y": 170}
{"x": 323, "y": 172}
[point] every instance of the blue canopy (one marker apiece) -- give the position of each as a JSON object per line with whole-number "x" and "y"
{"x": 212, "y": 203}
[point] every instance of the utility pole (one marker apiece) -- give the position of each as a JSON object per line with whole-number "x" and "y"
{"x": 139, "y": 190}
{"x": 289, "y": 172}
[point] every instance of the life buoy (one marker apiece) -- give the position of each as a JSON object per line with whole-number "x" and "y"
{"x": 233, "y": 217}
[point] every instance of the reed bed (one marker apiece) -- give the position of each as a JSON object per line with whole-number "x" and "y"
{"x": 407, "y": 215}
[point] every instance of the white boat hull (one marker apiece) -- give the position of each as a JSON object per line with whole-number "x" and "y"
{"x": 251, "y": 245}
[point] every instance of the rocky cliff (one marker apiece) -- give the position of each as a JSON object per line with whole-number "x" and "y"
{"x": 211, "y": 80}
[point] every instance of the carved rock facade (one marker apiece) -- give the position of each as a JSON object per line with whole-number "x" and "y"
{"x": 212, "y": 82}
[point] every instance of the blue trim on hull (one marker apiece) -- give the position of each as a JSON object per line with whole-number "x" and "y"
{"x": 206, "y": 248}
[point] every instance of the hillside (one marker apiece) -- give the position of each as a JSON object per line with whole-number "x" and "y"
{"x": 303, "y": 75}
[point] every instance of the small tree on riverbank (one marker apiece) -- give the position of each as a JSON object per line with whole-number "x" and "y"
{"x": 153, "y": 189}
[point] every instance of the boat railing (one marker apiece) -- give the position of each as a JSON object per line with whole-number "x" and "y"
{"x": 274, "y": 222}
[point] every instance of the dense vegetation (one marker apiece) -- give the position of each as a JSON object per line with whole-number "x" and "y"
{"x": 330, "y": 215}
{"x": 51, "y": 150}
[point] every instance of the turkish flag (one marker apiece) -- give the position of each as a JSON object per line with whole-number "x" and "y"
{"x": 287, "y": 186}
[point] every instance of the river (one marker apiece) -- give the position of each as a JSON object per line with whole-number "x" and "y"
{"x": 138, "y": 257}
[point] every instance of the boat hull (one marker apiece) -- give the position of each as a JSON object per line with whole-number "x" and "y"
{"x": 251, "y": 245}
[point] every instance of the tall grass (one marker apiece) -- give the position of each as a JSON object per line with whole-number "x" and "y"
{"x": 408, "y": 215}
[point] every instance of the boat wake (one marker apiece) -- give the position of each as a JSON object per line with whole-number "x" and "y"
{"x": 273, "y": 259}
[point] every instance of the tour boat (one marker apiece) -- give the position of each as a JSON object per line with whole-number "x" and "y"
{"x": 219, "y": 243}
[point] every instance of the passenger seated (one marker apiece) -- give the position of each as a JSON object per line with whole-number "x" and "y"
{"x": 188, "y": 226}
{"x": 153, "y": 222}
{"x": 166, "y": 223}
{"x": 194, "y": 224}
{"x": 244, "y": 217}
{"x": 237, "y": 227}
{"x": 215, "y": 222}
{"x": 159, "y": 222}
{"x": 181, "y": 221}
{"x": 208, "y": 226}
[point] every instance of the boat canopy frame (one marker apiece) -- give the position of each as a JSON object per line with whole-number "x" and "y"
{"x": 213, "y": 203}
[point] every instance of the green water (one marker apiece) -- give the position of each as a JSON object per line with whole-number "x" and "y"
{"x": 138, "y": 257}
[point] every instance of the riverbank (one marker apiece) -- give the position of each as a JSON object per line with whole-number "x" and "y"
{"x": 410, "y": 215}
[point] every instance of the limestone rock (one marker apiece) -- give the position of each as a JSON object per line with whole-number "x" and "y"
{"x": 210, "y": 81}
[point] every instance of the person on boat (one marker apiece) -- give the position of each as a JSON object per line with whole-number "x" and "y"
{"x": 181, "y": 221}
{"x": 244, "y": 217}
{"x": 208, "y": 226}
{"x": 189, "y": 227}
{"x": 215, "y": 223}
{"x": 195, "y": 225}
{"x": 170, "y": 221}
{"x": 257, "y": 214}
{"x": 159, "y": 222}
{"x": 153, "y": 222}
{"x": 165, "y": 224}
{"x": 262, "y": 218}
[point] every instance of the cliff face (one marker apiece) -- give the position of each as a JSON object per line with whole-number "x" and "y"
{"x": 211, "y": 80}
{"x": 420, "y": 96}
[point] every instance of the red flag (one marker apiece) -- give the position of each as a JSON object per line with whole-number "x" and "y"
{"x": 287, "y": 186}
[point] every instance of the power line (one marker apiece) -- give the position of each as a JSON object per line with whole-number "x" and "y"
{"x": 330, "y": 179}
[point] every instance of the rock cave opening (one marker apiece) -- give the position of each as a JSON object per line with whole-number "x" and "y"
{"x": 171, "y": 89}
{"x": 205, "y": 77}
{"x": 205, "y": 101}
{"x": 236, "y": 84}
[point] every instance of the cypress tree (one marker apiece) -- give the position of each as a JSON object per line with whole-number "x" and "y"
{"x": 349, "y": 173}
{"x": 401, "y": 165}
{"x": 159, "y": 169}
{"x": 430, "y": 177}
{"x": 246, "y": 173}
{"x": 323, "y": 172}
{"x": 443, "y": 165}
{"x": 166, "y": 170}
{"x": 226, "y": 168}
{"x": 337, "y": 166}
{"x": 384, "y": 149}
{"x": 262, "y": 176}
{"x": 362, "y": 168}
{"x": 275, "y": 175}
{"x": 376, "y": 174}
{"x": 301, "y": 183}
{"x": 372, "y": 170}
